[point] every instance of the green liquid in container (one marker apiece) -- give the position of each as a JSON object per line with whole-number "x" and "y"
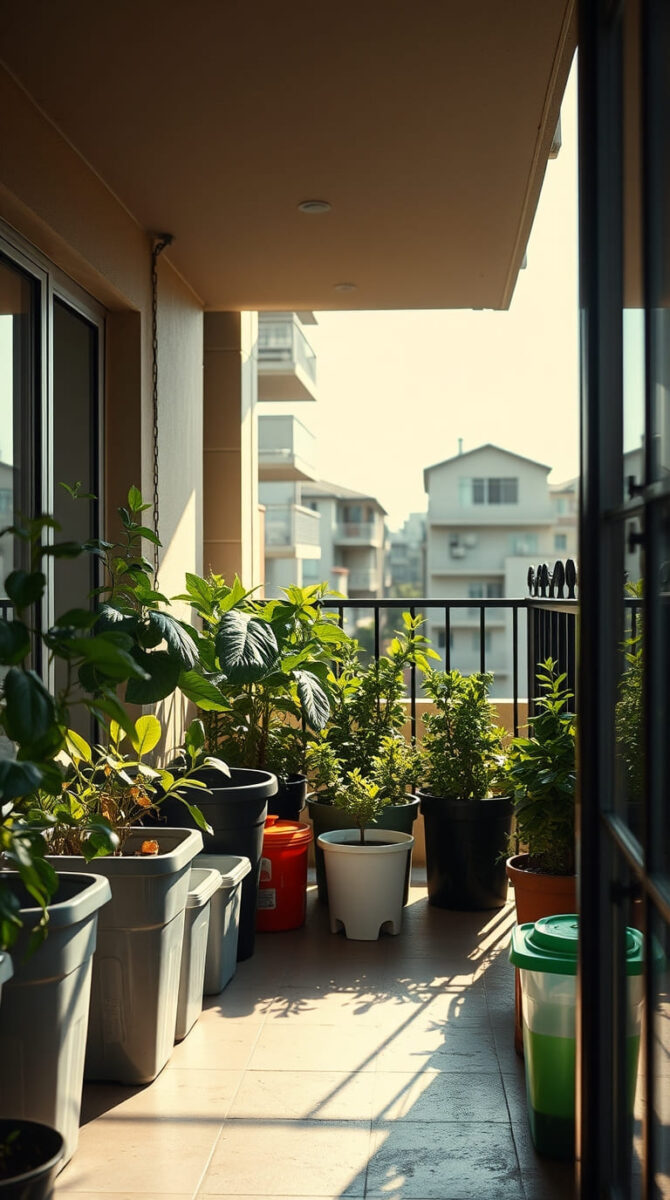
{"x": 550, "y": 1087}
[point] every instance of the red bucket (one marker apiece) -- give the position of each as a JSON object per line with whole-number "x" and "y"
{"x": 282, "y": 890}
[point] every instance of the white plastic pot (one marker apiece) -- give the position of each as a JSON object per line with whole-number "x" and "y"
{"x": 366, "y": 882}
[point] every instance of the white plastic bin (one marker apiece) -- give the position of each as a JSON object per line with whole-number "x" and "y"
{"x": 224, "y": 919}
{"x": 204, "y": 883}
{"x": 6, "y": 970}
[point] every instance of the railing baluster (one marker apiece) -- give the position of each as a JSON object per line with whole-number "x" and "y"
{"x": 376, "y": 616}
{"x": 482, "y": 638}
{"x": 447, "y": 638}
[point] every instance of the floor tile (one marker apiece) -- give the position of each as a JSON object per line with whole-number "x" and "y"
{"x": 543, "y": 1178}
{"x": 316, "y": 1048}
{"x": 468, "y": 1048}
{"x": 141, "y": 1155}
{"x": 213, "y": 1043}
{"x": 462, "y": 1162}
{"x": 438, "y": 1096}
{"x": 303, "y": 1095}
{"x": 285, "y": 1158}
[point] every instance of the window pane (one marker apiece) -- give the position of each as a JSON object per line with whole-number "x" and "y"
{"x": 75, "y": 393}
{"x": 465, "y": 492}
{"x": 18, "y": 460}
{"x": 478, "y": 490}
{"x": 510, "y": 491}
{"x": 495, "y": 491}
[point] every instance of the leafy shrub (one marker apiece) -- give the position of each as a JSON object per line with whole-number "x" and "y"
{"x": 462, "y": 751}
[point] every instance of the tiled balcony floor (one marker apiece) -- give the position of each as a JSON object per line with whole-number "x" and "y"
{"x": 331, "y": 1068}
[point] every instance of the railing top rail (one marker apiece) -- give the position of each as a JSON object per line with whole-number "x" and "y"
{"x": 409, "y": 602}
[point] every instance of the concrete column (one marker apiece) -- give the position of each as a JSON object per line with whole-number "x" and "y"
{"x": 231, "y": 524}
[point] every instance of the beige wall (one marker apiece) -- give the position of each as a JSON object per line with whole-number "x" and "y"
{"x": 62, "y": 208}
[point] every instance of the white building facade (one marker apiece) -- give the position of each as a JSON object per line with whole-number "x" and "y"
{"x": 491, "y": 513}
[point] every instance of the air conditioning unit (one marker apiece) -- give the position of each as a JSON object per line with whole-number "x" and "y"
{"x": 458, "y": 551}
{"x": 470, "y": 540}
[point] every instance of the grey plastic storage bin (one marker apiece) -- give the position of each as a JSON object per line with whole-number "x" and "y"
{"x": 135, "y": 984}
{"x": 224, "y": 919}
{"x": 45, "y": 1007}
{"x": 204, "y": 882}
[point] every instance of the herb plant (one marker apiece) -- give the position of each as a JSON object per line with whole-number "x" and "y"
{"x": 629, "y": 718}
{"x": 541, "y": 771}
{"x": 462, "y": 751}
{"x": 361, "y": 800}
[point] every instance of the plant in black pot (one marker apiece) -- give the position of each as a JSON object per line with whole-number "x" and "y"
{"x": 467, "y": 821}
{"x": 364, "y": 732}
{"x": 366, "y": 867}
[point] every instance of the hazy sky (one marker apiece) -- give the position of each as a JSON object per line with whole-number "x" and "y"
{"x": 397, "y": 390}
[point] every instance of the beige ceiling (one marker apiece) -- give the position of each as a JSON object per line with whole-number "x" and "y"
{"x": 425, "y": 123}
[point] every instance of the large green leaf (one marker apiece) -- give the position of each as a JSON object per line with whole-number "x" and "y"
{"x": 313, "y": 699}
{"x": 163, "y": 677}
{"x": 14, "y": 642}
{"x": 18, "y": 778}
{"x": 109, "y": 653}
{"x": 147, "y": 734}
{"x": 180, "y": 644}
{"x": 202, "y": 692}
{"x": 29, "y": 709}
{"x": 246, "y": 647}
{"x": 25, "y": 588}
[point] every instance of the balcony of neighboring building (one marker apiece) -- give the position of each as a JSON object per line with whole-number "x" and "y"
{"x": 365, "y": 581}
{"x": 352, "y": 532}
{"x": 292, "y": 531}
{"x": 286, "y": 449}
{"x": 286, "y": 361}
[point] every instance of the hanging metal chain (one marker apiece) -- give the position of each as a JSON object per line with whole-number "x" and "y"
{"x": 158, "y": 246}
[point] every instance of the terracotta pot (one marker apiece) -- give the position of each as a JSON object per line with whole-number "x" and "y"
{"x": 536, "y": 896}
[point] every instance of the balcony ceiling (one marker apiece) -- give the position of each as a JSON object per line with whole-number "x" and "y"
{"x": 426, "y": 126}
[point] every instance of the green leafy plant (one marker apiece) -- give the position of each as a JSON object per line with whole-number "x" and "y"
{"x": 541, "y": 769}
{"x": 107, "y": 790}
{"x": 368, "y": 701}
{"x": 462, "y": 752}
{"x": 361, "y": 800}
{"x": 395, "y": 769}
{"x": 629, "y": 717}
{"x": 263, "y": 682}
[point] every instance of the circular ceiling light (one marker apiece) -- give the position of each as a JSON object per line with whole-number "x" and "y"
{"x": 314, "y": 206}
{"x": 344, "y": 287}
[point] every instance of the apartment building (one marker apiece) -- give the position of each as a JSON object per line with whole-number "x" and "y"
{"x": 491, "y": 513}
{"x": 354, "y": 539}
{"x": 407, "y": 557}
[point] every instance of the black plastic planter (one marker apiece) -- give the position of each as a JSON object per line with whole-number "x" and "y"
{"x": 326, "y": 818}
{"x": 236, "y": 807}
{"x": 466, "y": 847}
{"x": 290, "y": 799}
{"x": 30, "y": 1156}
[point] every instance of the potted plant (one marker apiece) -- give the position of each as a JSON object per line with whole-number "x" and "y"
{"x": 467, "y": 821}
{"x": 135, "y": 985}
{"x": 262, "y": 686}
{"x": 366, "y": 868}
{"x": 367, "y": 717}
{"x": 268, "y": 663}
{"x": 541, "y": 772}
{"x": 629, "y": 717}
{"x": 31, "y": 1155}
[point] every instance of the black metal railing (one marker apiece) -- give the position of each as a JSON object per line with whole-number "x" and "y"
{"x": 543, "y": 625}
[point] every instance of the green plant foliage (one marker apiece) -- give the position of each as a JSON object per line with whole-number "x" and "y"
{"x": 541, "y": 770}
{"x": 263, "y": 681}
{"x": 368, "y": 713}
{"x": 462, "y": 752}
{"x": 360, "y": 799}
{"x": 629, "y": 717}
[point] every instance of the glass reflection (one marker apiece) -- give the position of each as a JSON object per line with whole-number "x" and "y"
{"x": 16, "y": 372}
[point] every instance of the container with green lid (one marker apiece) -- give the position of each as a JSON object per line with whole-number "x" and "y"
{"x": 546, "y": 954}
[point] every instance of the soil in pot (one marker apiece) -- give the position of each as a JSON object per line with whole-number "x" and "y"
{"x": 466, "y": 842}
{"x": 30, "y": 1156}
{"x": 236, "y": 807}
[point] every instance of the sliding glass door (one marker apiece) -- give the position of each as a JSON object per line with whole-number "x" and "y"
{"x": 624, "y": 823}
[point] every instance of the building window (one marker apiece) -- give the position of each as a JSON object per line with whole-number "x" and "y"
{"x": 496, "y": 490}
{"x": 442, "y": 639}
{"x": 560, "y": 541}
{"x": 562, "y": 506}
{"x": 523, "y": 543}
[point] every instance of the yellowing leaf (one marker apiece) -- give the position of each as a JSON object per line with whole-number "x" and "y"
{"x": 147, "y": 734}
